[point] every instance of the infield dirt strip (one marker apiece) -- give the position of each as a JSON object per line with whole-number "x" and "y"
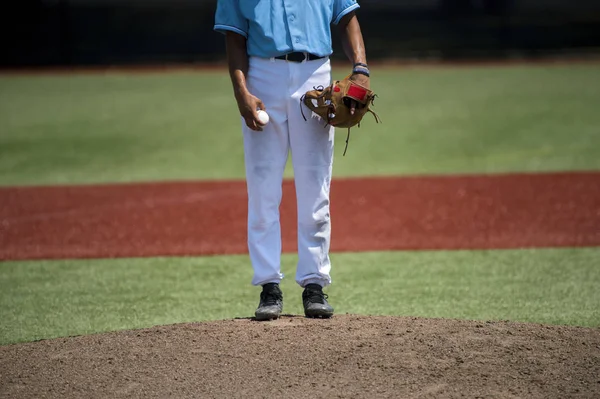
{"x": 205, "y": 218}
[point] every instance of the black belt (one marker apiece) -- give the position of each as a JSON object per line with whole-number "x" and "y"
{"x": 299, "y": 57}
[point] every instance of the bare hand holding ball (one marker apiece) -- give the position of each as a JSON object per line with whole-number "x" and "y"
{"x": 263, "y": 117}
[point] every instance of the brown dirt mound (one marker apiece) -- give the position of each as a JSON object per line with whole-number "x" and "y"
{"x": 347, "y": 356}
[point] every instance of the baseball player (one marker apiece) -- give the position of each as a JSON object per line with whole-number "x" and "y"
{"x": 277, "y": 50}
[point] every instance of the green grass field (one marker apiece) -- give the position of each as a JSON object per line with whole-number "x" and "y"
{"x": 119, "y": 128}
{"x": 124, "y": 127}
{"x": 59, "y": 298}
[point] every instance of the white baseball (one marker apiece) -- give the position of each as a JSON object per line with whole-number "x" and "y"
{"x": 263, "y": 117}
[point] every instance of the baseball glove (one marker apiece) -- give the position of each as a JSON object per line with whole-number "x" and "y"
{"x": 332, "y": 104}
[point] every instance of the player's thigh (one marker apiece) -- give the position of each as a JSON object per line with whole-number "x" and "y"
{"x": 311, "y": 138}
{"x": 270, "y": 146}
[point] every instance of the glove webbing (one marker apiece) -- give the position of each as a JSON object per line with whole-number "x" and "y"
{"x": 321, "y": 88}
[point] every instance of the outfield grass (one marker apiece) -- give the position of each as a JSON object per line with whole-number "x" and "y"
{"x": 127, "y": 127}
{"x": 60, "y": 298}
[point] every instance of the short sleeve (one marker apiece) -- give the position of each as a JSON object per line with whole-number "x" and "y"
{"x": 341, "y": 8}
{"x": 228, "y": 17}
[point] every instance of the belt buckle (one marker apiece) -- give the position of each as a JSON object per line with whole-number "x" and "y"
{"x": 304, "y": 59}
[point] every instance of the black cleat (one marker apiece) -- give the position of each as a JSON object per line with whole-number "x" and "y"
{"x": 271, "y": 303}
{"x": 315, "y": 302}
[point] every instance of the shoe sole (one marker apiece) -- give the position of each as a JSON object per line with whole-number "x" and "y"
{"x": 266, "y": 317}
{"x": 318, "y": 315}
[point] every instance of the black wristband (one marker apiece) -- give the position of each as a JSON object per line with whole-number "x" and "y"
{"x": 360, "y": 71}
{"x": 361, "y": 64}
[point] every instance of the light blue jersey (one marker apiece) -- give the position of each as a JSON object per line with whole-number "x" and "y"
{"x": 277, "y": 27}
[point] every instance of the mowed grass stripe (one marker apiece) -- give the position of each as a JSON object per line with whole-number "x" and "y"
{"x": 124, "y": 127}
{"x": 47, "y": 299}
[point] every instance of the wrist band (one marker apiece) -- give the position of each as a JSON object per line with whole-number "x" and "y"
{"x": 361, "y": 71}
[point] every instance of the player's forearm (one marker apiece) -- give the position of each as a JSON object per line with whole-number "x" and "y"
{"x": 352, "y": 39}
{"x": 237, "y": 60}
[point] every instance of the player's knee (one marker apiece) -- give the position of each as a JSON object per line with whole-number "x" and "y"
{"x": 317, "y": 215}
{"x": 263, "y": 214}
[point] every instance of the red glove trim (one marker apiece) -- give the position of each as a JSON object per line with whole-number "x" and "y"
{"x": 357, "y": 92}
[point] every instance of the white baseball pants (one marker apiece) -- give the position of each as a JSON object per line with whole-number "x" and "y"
{"x": 280, "y": 84}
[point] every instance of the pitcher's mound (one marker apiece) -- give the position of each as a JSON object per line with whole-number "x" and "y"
{"x": 347, "y": 357}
